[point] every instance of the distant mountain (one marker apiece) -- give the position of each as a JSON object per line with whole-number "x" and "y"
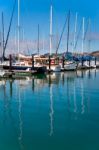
{"x": 96, "y": 54}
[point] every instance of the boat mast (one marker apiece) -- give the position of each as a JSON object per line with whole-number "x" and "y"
{"x": 0, "y": 44}
{"x": 18, "y": 27}
{"x": 75, "y": 31}
{"x": 83, "y": 32}
{"x": 9, "y": 30}
{"x": 43, "y": 43}
{"x": 68, "y": 30}
{"x": 38, "y": 40}
{"x": 15, "y": 39}
{"x": 2, "y": 35}
{"x": 23, "y": 34}
{"x": 51, "y": 28}
{"x": 89, "y": 41}
{"x": 60, "y": 39}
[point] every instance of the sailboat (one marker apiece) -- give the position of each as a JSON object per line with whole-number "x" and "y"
{"x": 92, "y": 62}
{"x": 19, "y": 65}
{"x": 55, "y": 67}
{"x": 69, "y": 65}
{"x": 83, "y": 64}
{"x": 51, "y": 64}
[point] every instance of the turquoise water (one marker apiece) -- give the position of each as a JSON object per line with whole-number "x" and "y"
{"x": 53, "y": 112}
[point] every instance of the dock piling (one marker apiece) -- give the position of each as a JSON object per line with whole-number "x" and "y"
{"x": 95, "y": 61}
{"x": 10, "y": 62}
{"x": 49, "y": 62}
{"x": 63, "y": 61}
{"x": 32, "y": 61}
{"x": 89, "y": 62}
{"x": 82, "y": 63}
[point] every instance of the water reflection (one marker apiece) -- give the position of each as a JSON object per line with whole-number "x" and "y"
{"x": 51, "y": 110}
{"x": 75, "y": 105}
{"x": 54, "y": 78}
{"x": 82, "y": 98}
{"x": 11, "y": 87}
{"x": 69, "y": 90}
{"x": 91, "y": 74}
{"x": 2, "y": 83}
{"x": 20, "y": 116}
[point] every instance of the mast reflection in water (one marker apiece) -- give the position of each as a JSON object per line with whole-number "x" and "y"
{"x": 55, "y": 111}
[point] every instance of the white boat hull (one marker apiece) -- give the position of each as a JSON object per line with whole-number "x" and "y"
{"x": 2, "y": 73}
{"x": 92, "y": 64}
{"x": 84, "y": 66}
{"x": 70, "y": 67}
{"x": 55, "y": 68}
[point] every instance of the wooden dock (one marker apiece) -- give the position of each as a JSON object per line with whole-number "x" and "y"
{"x": 18, "y": 74}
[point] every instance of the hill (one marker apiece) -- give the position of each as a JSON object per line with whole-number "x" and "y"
{"x": 96, "y": 54}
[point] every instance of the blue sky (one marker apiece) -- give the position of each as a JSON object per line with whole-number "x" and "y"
{"x": 34, "y": 12}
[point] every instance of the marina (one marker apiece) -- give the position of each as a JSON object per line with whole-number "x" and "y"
{"x": 52, "y": 62}
{"x": 36, "y": 114}
{"x": 49, "y": 75}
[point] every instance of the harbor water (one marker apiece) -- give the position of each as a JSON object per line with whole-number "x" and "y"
{"x": 50, "y": 112}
